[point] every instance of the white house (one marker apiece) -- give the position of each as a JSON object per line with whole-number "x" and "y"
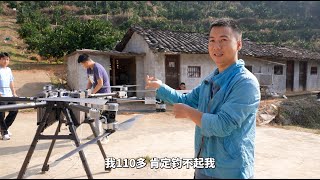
{"x": 175, "y": 57}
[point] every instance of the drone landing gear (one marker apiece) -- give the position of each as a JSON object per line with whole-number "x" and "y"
{"x": 160, "y": 106}
{"x": 54, "y": 109}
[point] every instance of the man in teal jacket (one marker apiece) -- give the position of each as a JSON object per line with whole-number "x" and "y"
{"x": 223, "y": 107}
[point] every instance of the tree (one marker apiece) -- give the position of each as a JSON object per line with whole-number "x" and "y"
{"x": 75, "y": 34}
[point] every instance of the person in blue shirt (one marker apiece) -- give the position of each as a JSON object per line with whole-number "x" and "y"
{"x": 6, "y": 90}
{"x": 223, "y": 107}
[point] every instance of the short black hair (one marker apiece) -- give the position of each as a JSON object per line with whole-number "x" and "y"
{"x": 4, "y": 54}
{"x": 226, "y": 22}
{"x": 182, "y": 83}
{"x": 83, "y": 58}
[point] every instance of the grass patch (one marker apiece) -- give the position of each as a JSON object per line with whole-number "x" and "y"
{"x": 20, "y": 56}
{"x": 8, "y": 27}
{"x": 8, "y": 45}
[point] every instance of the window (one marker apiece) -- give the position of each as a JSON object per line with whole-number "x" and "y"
{"x": 172, "y": 64}
{"x": 259, "y": 69}
{"x": 249, "y": 68}
{"x": 194, "y": 71}
{"x": 314, "y": 70}
{"x": 278, "y": 70}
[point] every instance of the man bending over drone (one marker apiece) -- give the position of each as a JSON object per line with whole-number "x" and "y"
{"x": 98, "y": 79}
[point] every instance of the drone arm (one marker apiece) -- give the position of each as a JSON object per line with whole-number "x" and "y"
{"x": 15, "y": 107}
{"x": 17, "y": 98}
{"x": 79, "y": 107}
{"x": 93, "y": 113}
{"x": 103, "y": 94}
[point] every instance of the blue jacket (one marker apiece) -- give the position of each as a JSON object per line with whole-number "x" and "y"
{"x": 229, "y": 102}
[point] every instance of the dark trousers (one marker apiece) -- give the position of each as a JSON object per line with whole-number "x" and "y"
{"x": 5, "y": 123}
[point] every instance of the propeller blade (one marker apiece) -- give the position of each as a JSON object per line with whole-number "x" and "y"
{"x": 128, "y": 123}
{"x": 102, "y": 94}
{"x": 122, "y": 126}
{"x": 119, "y": 100}
{"x": 147, "y": 90}
{"x": 79, "y": 100}
{"x": 120, "y": 86}
{"x": 79, "y": 148}
{"x": 131, "y": 111}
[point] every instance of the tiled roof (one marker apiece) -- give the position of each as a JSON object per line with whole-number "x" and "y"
{"x": 197, "y": 43}
{"x": 274, "y": 52}
{"x": 106, "y": 52}
{"x": 169, "y": 41}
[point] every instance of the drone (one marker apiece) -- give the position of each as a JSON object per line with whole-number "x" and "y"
{"x": 122, "y": 93}
{"x": 72, "y": 108}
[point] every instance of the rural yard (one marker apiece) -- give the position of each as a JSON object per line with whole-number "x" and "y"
{"x": 283, "y": 151}
{"x": 280, "y": 153}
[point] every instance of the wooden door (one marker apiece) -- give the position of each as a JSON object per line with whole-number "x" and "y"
{"x": 172, "y": 70}
{"x": 303, "y": 75}
{"x": 290, "y": 75}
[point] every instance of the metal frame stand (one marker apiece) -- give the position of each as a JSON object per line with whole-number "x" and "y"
{"x": 56, "y": 108}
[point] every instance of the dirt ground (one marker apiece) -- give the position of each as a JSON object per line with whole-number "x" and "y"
{"x": 279, "y": 153}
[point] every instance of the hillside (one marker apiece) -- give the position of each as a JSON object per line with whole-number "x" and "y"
{"x": 293, "y": 23}
{"x": 30, "y": 71}
{"x": 10, "y": 42}
{"x": 23, "y": 59}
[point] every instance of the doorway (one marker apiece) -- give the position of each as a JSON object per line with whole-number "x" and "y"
{"x": 172, "y": 70}
{"x": 303, "y": 75}
{"x": 290, "y": 75}
{"x": 123, "y": 72}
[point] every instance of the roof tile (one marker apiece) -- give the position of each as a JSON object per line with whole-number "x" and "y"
{"x": 197, "y": 43}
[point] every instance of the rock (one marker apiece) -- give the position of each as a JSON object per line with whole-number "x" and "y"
{"x": 266, "y": 118}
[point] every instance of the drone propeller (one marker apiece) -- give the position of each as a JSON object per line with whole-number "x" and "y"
{"x": 79, "y": 148}
{"x": 121, "y": 86}
{"x": 146, "y": 90}
{"x": 91, "y": 100}
{"x": 102, "y": 94}
{"x": 128, "y": 123}
{"x": 77, "y": 100}
{"x": 128, "y": 100}
{"x": 122, "y": 127}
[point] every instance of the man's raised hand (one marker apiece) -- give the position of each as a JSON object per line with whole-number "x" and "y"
{"x": 152, "y": 82}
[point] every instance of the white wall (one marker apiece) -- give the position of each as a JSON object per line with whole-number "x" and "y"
{"x": 313, "y": 81}
{"x": 265, "y": 69}
{"x": 153, "y": 64}
{"x": 73, "y": 75}
{"x": 296, "y": 77}
{"x": 144, "y": 65}
{"x": 203, "y": 60}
